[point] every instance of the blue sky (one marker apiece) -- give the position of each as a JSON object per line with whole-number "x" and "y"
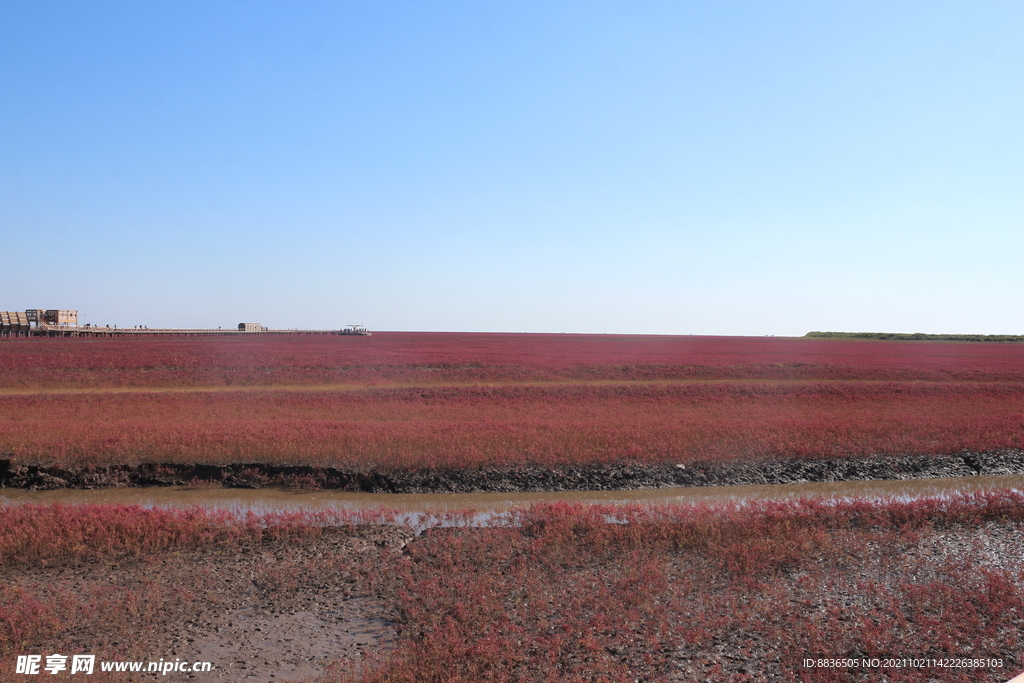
{"x": 676, "y": 168}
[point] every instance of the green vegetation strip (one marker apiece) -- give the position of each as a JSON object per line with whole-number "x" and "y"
{"x": 917, "y": 336}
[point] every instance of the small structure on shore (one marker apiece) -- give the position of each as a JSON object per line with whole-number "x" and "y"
{"x": 37, "y": 322}
{"x": 13, "y": 324}
{"x": 24, "y": 323}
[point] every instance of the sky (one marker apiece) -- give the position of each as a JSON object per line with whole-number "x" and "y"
{"x": 734, "y": 168}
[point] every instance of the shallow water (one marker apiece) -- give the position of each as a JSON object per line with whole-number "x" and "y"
{"x": 286, "y": 500}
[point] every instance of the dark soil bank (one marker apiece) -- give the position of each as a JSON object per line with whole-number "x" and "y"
{"x": 607, "y": 477}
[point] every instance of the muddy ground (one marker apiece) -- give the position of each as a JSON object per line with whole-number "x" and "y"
{"x": 259, "y": 612}
{"x": 747, "y": 656}
{"x": 600, "y": 477}
{"x": 284, "y": 611}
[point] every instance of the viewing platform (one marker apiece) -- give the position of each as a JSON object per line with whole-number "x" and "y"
{"x": 64, "y": 323}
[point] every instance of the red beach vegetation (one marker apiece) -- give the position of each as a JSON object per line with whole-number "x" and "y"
{"x": 562, "y": 592}
{"x": 410, "y": 401}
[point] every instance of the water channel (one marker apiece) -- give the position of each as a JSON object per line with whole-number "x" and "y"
{"x": 290, "y": 500}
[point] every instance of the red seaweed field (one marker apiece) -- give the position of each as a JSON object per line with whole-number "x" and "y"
{"x": 404, "y": 400}
{"x": 551, "y": 593}
{"x": 407, "y": 357}
{"x": 706, "y": 594}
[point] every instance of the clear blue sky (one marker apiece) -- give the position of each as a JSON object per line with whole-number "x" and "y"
{"x": 678, "y": 167}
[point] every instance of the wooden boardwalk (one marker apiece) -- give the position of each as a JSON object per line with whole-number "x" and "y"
{"x": 141, "y": 332}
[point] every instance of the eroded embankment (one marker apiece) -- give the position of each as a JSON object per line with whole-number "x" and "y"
{"x": 526, "y": 478}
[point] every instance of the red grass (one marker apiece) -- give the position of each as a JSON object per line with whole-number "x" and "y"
{"x": 721, "y": 596}
{"x": 574, "y": 593}
{"x": 94, "y": 579}
{"x": 503, "y": 399}
{"x": 50, "y": 535}
{"x": 467, "y": 427}
{"x": 425, "y": 357}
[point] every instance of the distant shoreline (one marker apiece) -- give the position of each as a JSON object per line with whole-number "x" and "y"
{"x": 917, "y": 336}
